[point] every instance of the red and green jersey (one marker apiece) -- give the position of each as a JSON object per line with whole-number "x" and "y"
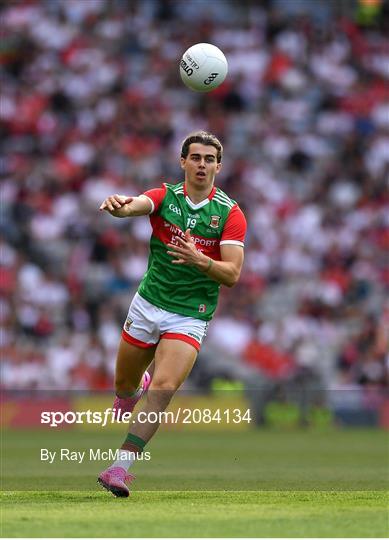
{"x": 213, "y": 222}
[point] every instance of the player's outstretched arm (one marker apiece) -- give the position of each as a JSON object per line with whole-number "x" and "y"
{"x": 122, "y": 206}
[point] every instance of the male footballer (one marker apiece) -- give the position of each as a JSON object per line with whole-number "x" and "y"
{"x": 196, "y": 245}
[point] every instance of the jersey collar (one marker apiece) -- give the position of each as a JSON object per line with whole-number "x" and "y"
{"x": 201, "y": 203}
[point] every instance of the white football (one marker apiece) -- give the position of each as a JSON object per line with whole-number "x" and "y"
{"x": 203, "y": 67}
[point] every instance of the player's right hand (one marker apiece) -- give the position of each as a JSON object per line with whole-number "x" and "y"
{"x": 115, "y": 202}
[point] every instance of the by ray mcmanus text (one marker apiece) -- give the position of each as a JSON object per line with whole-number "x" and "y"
{"x": 97, "y": 454}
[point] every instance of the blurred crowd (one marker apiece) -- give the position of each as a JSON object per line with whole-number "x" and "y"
{"x": 92, "y": 104}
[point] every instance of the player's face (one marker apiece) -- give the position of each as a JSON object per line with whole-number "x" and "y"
{"x": 201, "y": 165}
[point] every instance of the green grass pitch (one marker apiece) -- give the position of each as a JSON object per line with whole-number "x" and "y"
{"x": 258, "y": 483}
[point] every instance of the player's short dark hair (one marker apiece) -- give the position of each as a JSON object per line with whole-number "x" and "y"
{"x": 202, "y": 137}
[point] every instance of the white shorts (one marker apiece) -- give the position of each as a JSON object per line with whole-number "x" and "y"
{"x": 146, "y": 324}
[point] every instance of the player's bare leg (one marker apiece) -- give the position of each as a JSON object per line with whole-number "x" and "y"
{"x": 131, "y": 378}
{"x": 131, "y": 363}
{"x": 174, "y": 360}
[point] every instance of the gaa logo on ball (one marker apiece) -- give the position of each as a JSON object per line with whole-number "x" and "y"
{"x": 203, "y": 67}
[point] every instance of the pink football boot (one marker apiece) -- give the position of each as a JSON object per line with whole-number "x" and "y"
{"x": 123, "y": 405}
{"x": 114, "y": 480}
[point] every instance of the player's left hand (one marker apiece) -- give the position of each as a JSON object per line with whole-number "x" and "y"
{"x": 185, "y": 251}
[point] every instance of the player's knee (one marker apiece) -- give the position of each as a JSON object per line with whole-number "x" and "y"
{"x": 164, "y": 385}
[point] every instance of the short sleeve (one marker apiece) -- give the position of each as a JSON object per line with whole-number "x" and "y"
{"x": 235, "y": 227}
{"x": 156, "y": 197}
